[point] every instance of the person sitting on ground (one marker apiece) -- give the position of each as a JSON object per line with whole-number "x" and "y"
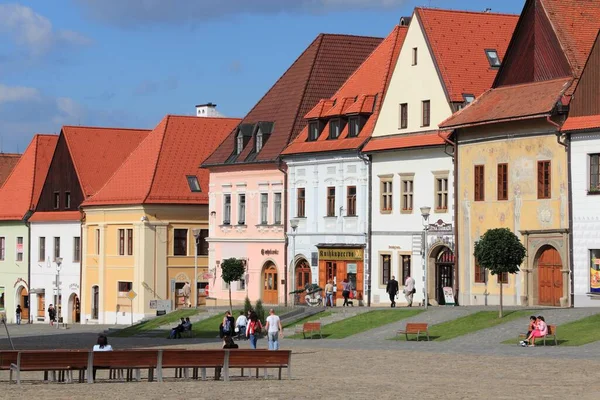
{"x": 228, "y": 343}
{"x": 541, "y": 330}
{"x": 240, "y": 325}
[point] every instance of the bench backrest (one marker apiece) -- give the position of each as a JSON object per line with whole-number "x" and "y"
{"x": 312, "y": 325}
{"x": 126, "y": 358}
{"x": 173, "y": 358}
{"x": 8, "y": 357}
{"x": 551, "y": 329}
{"x": 259, "y": 358}
{"x": 416, "y": 327}
{"x": 46, "y": 360}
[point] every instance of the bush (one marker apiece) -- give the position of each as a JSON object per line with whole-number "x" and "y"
{"x": 247, "y": 306}
{"x": 260, "y": 311}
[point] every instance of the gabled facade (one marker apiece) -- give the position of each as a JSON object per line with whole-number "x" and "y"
{"x": 84, "y": 159}
{"x": 248, "y": 180}
{"x": 7, "y": 163}
{"x": 138, "y": 229}
{"x": 18, "y": 198}
{"x": 412, "y": 160}
{"x": 328, "y": 180}
{"x": 513, "y": 171}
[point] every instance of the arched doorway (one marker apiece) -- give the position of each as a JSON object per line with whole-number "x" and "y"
{"x": 444, "y": 273}
{"x": 95, "y": 301}
{"x": 303, "y": 277}
{"x": 23, "y": 300}
{"x": 270, "y": 292}
{"x": 550, "y": 279}
{"x": 74, "y": 309}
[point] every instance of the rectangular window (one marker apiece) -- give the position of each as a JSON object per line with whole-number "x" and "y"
{"x": 386, "y": 268}
{"x": 594, "y": 172}
{"x": 56, "y": 247}
{"x": 403, "y": 115}
{"x": 313, "y": 131}
{"x": 351, "y": 201}
{"x": 42, "y": 250}
{"x": 67, "y": 200}
{"x": 480, "y": 273}
{"x": 544, "y": 180}
{"x": 502, "y": 278}
{"x": 20, "y": 248}
{"x": 97, "y": 241}
{"x": 386, "y": 195}
{"x": 441, "y": 193}
{"x": 56, "y": 200}
{"x": 41, "y": 302}
{"x": 202, "y": 243}
{"x": 124, "y": 288}
{"x": 493, "y": 58}
{"x": 277, "y": 209}
{"x": 479, "y": 189}
{"x": 405, "y": 262}
{"x": 129, "y": 242}
{"x": 242, "y": 209}
{"x": 426, "y": 112}
{"x": 502, "y": 181}
{"x": 193, "y": 183}
{"x": 331, "y": 201}
{"x": 407, "y": 194}
{"x": 227, "y": 209}
{"x": 354, "y": 127}
{"x": 121, "y": 242}
{"x": 242, "y": 284}
{"x": 2, "y": 248}
{"x": 76, "y": 249}
{"x": 334, "y": 129}
{"x": 414, "y": 56}
{"x": 264, "y": 208}
{"x": 180, "y": 242}
{"x": 301, "y": 202}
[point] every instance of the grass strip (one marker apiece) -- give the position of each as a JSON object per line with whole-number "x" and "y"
{"x": 155, "y": 323}
{"x": 310, "y": 318}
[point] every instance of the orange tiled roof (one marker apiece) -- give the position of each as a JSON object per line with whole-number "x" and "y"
{"x": 98, "y": 152}
{"x": 367, "y": 86}
{"x": 458, "y": 40}
{"x": 405, "y": 141}
{"x": 21, "y": 191}
{"x": 156, "y": 172}
{"x": 581, "y": 123}
{"x": 52, "y": 216}
{"x": 524, "y": 101}
{"x": 7, "y": 163}
{"x": 319, "y": 71}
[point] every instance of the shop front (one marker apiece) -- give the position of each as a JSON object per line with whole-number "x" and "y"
{"x": 338, "y": 262}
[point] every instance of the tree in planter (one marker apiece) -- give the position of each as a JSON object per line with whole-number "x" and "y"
{"x": 247, "y": 306}
{"x": 232, "y": 269}
{"x": 500, "y": 251}
{"x": 260, "y": 311}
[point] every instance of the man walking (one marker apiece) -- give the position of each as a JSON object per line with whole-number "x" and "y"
{"x": 392, "y": 290}
{"x": 187, "y": 290}
{"x": 409, "y": 290}
{"x": 329, "y": 293}
{"x": 18, "y": 312}
{"x": 273, "y": 330}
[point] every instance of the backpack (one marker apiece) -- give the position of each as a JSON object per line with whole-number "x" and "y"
{"x": 257, "y": 327}
{"x": 227, "y": 326}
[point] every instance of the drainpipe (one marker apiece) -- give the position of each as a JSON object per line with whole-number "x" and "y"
{"x": 28, "y": 225}
{"x": 367, "y": 160}
{"x": 283, "y": 170}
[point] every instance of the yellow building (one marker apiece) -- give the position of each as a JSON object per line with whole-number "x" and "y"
{"x": 139, "y": 229}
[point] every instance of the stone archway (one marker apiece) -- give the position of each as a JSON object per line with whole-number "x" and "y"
{"x": 270, "y": 287}
{"x": 74, "y": 309}
{"x": 441, "y": 272}
{"x": 302, "y": 277}
{"x": 548, "y": 277}
{"x": 22, "y": 299}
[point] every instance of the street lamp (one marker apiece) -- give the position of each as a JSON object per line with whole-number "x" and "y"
{"x": 294, "y": 225}
{"x": 425, "y": 215}
{"x": 58, "y": 261}
{"x": 196, "y": 233}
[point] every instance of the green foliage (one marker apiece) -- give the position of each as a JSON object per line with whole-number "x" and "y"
{"x": 260, "y": 311}
{"x": 232, "y": 269}
{"x": 247, "y": 305}
{"x": 500, "y": 250}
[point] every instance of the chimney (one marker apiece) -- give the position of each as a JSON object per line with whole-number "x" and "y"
{"x": 207, "y": 110}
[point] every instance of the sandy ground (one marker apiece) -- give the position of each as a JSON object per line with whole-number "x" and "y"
{"x": 359, "y": 374}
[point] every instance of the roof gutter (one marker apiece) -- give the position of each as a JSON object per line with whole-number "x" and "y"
{"x": 495, "y": 121}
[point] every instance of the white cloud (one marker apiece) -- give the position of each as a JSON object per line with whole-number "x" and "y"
{"x": 13, "y": 94}
{"x": 34, "y": 31}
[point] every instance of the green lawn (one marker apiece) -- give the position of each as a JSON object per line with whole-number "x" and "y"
{"x": 209, "y": 328}
{"x": 155, "y": 323}
{"x": 363, "y": 322}
{"x": 311, "y": 318}
{"x": 468, "y": 324}
{"x": 576, "y": 333}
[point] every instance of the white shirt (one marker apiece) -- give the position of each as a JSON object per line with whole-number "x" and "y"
{"x": 241, "y": 321}
{"x": 409, "y": 285}
{"x": 273, "y": 321}
{"x": 97, "y": 347}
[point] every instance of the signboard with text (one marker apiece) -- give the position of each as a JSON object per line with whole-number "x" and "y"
{"x": 341, "y": 254}
{"x": 448, "y": 296}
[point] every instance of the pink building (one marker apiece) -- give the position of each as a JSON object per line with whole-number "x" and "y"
{"x": 248, "y": 180}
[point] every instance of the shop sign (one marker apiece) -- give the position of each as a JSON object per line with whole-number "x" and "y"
{"x": 269, "y": 252}
{"x": 341, "y": 254}
{"x": 393, "y": 247}
{"x": 74, "y": 286}
{"x": 160, "y": 305}
{"x": 440, "y": 228}
{"x": 448, "y": 296}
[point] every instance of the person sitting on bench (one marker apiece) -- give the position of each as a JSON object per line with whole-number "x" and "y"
{"x": 176, "y": 332}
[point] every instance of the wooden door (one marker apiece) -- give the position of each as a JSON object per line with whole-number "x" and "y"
{"x": 24, "y": 301}
{"x": 303, "y": 275}
{"x": 550, "y": 282}
{"x": 95, "y": 302}
{"x": 76, "y": 310}
{"x": 270, "y": 292}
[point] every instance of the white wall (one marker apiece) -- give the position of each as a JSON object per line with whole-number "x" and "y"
{"x": 586, "y": 216}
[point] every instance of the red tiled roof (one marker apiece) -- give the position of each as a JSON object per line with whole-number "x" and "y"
{"x": 581, "y": 123}
{"x": 319, "y": 109}
{"x": 368, "y": 83}
{"x": 405, "y": 141}
{"x": 21, "y": 191}
{"x": 528, "y": 100}
{"x": 98, "y": 152}
{"x": 7, "y": 163}
{"x": 52, "y": 216}
{"x": 458, "y": 40}
{"x": 156, "y": 171}
{"x": 316, "y": 74}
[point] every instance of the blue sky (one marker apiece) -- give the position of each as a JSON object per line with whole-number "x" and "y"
{"x": 129, "y": 62}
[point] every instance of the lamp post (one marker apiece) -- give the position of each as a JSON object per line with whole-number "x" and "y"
{"x": 196, "y": 233}
{"x": 425, "y": 215}
{"x": 58, "y": 261}
{"x": 294, "y": 225}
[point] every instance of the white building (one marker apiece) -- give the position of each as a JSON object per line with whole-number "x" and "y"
{"x": 413, "y": 165}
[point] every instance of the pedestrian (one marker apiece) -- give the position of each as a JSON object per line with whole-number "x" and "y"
{"x": 409, "y": 290}
{"x": 392, "y": 289}
{"x": 274, "y": 330}
{"x": 240, "y": 325}
{"x": 228, "y": 324}
{"x": 253, "y": 329}
{"x": 51, "y": 314}
{"x": 18, "y": 312}
{"x": 187, "y": 291}
{"x": 102, "y": 345}
{"x": 346, "y": 288}
{"x": 329, "y": 293}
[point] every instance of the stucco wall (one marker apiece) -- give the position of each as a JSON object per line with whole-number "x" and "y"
{"x": 13, "y": 273}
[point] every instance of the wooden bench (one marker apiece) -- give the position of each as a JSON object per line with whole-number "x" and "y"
{"x": 189, "y": 333}
{"x": 414, "y": 328}
{"x": 195, "y": 359}
{"x": 257, "y": 359}
{"x": 49, "y": 361}
{"x": 311, "y": 327}
{"x": 7, "y": 357}
{"x": 130, "y": 360}
{"x": 550, "y": 335}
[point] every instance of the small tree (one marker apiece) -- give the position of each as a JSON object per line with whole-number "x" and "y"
{"x": 247, "y": 305}
{"x": 260, "y": 311}
{"x": 232, "y": 269}
{"x": 500, "y": 251}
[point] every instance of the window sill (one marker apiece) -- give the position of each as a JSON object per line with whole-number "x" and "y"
{"x": 269, "y": 225}
{"x": 241, "y": 225}
{"x": 406, "y": 211}
{"x": 385, "y": 211}
{"x": 330, "y": 216}
{"x": 351, "y": 216}
{"x": 440, "y": 210}
{"x": 593, "y": 193}
{"x": 301, "y": 217}
{"x": 225, "y": 224}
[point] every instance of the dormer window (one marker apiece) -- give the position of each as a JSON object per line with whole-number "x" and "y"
{"x": 193, "y": 183}
{"x": 468, "y": 98}
{"x": 240, "y": 142}
{"x": 259, "y": 141}
{"x": 353, "y": 126}
{"x": 334, "y": 129}
{"x": 313, "y": 131}
{"x": 493, "y": 58}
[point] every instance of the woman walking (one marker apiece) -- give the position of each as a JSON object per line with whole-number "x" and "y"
{"x": 253, "y": 329}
